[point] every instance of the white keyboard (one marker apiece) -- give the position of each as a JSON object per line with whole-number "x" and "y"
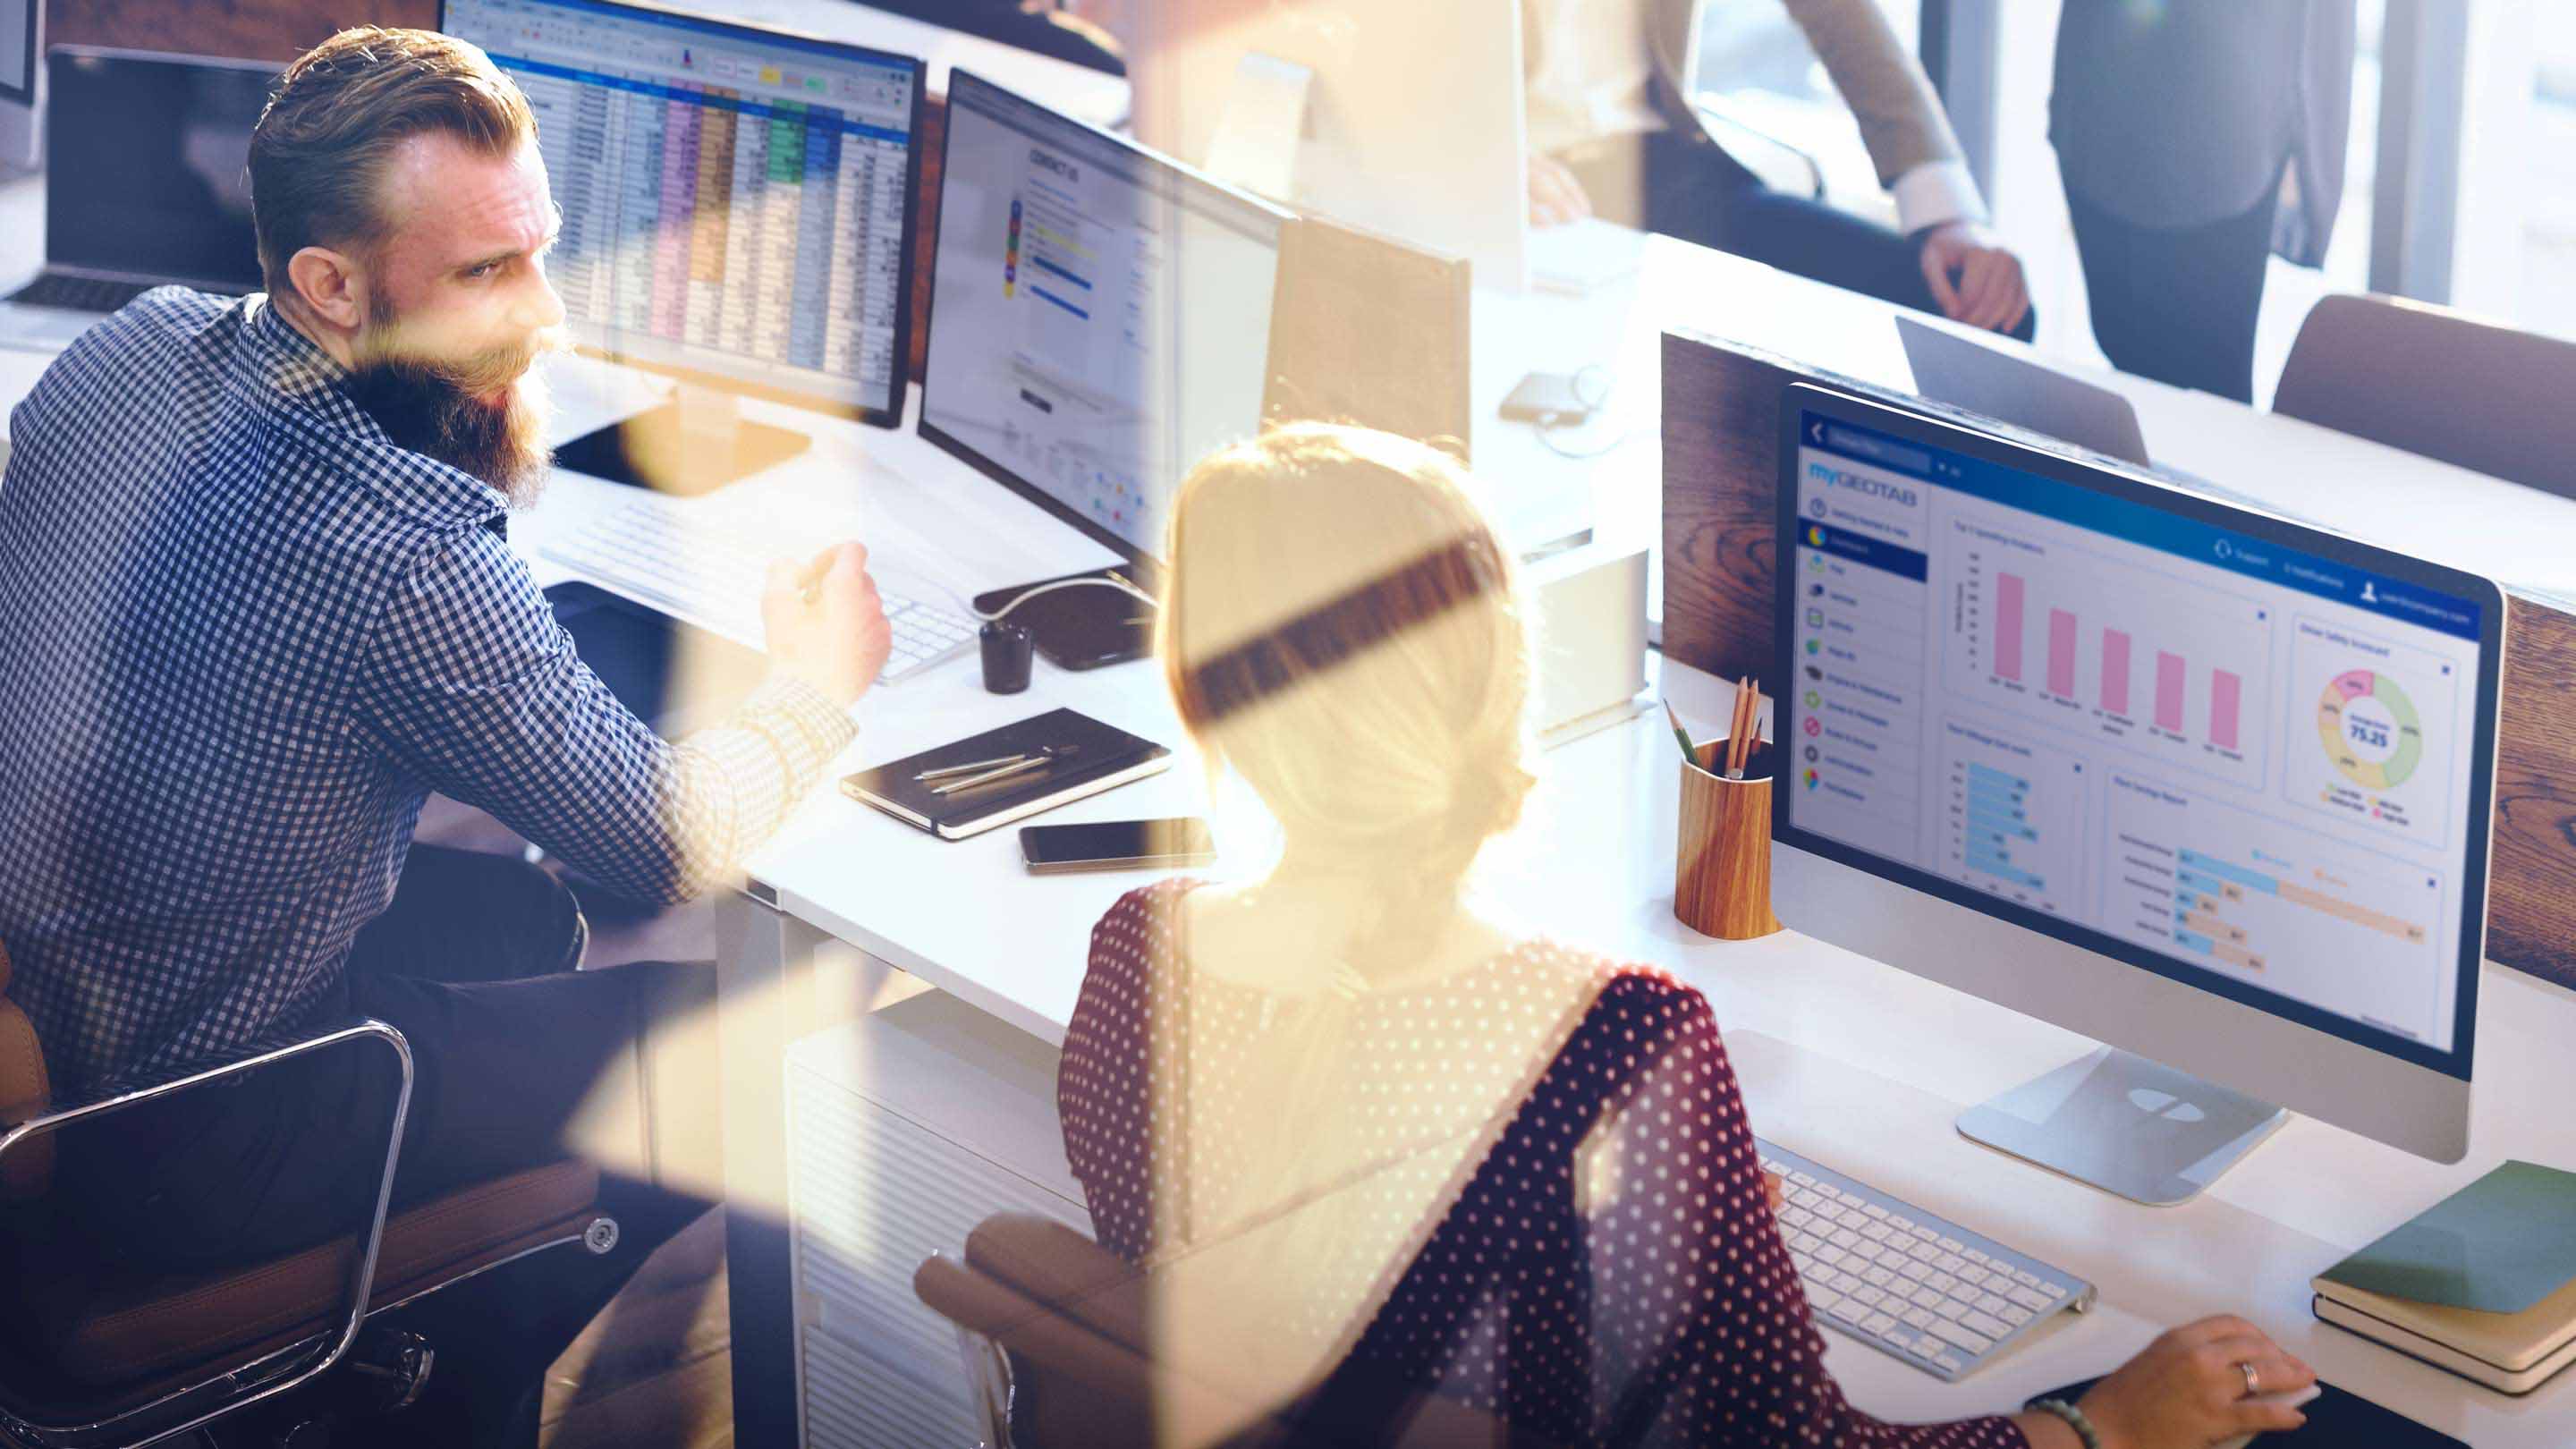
{"x": 706, "y": 560}
{"x": 1907, "y": 1283}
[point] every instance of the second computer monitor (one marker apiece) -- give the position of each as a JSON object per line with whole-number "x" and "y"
{"x": 2190, "y": 780}
{"x": 736, "y": 201}
{"x": 1099, "y": 314}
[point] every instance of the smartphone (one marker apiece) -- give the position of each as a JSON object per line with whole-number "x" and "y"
{"x": 1116, "y": 845}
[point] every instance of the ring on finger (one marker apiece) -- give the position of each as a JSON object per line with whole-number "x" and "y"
{"x": 2253, "y": 1385}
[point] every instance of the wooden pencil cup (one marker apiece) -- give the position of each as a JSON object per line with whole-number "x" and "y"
{"x": 1722, "y": 855}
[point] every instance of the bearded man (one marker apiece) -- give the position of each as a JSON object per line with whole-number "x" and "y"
{"x": 255, "y": 604}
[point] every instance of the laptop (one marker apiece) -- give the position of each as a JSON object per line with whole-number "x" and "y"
{"x": 1951, "y": 369}
{"x": 146, "y": 183}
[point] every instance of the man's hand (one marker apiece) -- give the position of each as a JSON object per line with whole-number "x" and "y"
{"x": 1555, "y": 196}
{"x": 825, "y": 623}
{"x": 1974, "y": 277}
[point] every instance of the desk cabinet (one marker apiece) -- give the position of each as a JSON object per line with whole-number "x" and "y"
{"x": 906, "y": 1128}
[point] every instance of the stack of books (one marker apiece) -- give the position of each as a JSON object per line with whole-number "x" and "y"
{"x": 2482, "y": 1284}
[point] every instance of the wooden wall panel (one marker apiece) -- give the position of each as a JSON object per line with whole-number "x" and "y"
{"x": 277, "y": 30}
{"x": 1721, "y": 485}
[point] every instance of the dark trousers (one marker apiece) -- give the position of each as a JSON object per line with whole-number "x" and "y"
{"x": 473, "y": 965}
{"x": 2178, "y": 305}
{"x": 1685, "y": 186}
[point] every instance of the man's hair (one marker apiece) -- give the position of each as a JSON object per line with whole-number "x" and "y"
{"x": 318, "y": 155}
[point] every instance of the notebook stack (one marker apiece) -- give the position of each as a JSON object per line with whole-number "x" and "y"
{"x": 2482, "y": 1284}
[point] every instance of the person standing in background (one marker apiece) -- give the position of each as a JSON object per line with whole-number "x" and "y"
{"x": 2195, "y": 138}
{"x": 1613, "y": 129}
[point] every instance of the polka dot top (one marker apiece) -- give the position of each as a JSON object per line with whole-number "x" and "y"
{"x": 1600, "y": 1266}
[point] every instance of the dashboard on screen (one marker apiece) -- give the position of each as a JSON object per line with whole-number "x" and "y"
{"x": 2222, "y": 747}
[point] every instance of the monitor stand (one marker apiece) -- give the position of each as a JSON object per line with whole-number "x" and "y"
{"x": 697, "y": 442}
{"x": 2126, "y": 1125}
{"x": 1082, "y": 628}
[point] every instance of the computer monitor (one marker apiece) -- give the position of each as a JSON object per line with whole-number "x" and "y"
{"x": 21, "y": 103}
{"x": 737, "y": 212}
{"x": 1099, "y": 321}
{"x": 146, "y": 175}
{"x": 1403, "y": 117}
{"x": 2207, "y": 786}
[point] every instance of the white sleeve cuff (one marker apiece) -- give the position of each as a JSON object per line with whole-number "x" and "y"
{"x": 1937, "y": 192}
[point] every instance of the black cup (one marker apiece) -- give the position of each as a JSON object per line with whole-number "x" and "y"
{"x": 1008, "y": 649}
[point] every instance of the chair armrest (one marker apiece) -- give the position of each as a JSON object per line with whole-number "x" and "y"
{"x": 1719, "y": 122}
{"x": 27, "y": 1120}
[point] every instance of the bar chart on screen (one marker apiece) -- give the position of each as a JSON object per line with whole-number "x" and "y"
{"x": 2055, "y": 635}
{"x": 2012, "y": 817}
{"x": 2235, "y": 893}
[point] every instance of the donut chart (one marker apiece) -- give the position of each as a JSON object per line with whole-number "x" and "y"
{"x": 2370, "y": 729}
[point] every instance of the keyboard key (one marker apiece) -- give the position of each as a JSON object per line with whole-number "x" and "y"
{"x": 1967, "y": 1338}
{"x": 2029, "y": 1298}
{"x": 1849, "y": 1312}
{"x": 1951, "y": 1244}
{"x": 1986, "y": 1323}
{"x": 2015, "y": 1314}
{"x": 1919, "y": 1317}
{"x": 1949, "y": 1308}
{"x": 1872, "y": 1296}
{"x": 2028, "y": 1280}
{"x": 1879, "y": 1323}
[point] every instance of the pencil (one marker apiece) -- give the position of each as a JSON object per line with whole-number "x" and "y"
{"x": 1681, "y": 734}
{"x": 1735, "y": 729}
{"x": 1752, "y": 726}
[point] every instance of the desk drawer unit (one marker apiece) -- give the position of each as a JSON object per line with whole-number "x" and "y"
{"x": 906, "y": 1129}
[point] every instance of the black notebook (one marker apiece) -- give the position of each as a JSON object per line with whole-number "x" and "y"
{"x": 1078, "y": 756}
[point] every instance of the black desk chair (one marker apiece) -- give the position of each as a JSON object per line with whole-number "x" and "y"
{"x": 101, "y": 1355}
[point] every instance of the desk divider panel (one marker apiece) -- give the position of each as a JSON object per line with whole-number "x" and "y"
{"x": 1721, "y": 431}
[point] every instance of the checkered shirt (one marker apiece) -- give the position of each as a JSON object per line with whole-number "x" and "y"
{"x": 242, "y": 637}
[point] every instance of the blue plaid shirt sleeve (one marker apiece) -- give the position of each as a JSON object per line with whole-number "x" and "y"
{"x": 469, "y": 684}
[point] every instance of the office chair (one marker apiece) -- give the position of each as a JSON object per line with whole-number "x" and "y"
{"x": 2436, "y": 383}
{"x": 102, "y": 1355}
{"x": 1055, "y": 1333}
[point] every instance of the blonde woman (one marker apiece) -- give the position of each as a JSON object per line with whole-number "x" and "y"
{"x": 1381, "y": 1143}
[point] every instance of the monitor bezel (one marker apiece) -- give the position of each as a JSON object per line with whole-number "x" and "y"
{"x": 23, "y": 92}
{"x": 1137, "y": 555}
{"x": 2475, "y": 886}
{"x": 592, "y": 339}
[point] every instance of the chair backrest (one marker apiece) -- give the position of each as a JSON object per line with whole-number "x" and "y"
{"x": 27, "y": 1169}
{"x": 1074, "y": 1320}
{"x": 2437, "y": 383}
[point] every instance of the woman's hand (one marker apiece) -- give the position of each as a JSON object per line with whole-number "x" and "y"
{"x": 2189, "y": 1389}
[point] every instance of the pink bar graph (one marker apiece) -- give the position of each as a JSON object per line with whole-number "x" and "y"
{"x": 2223, "y": 688}
{"x": 2061, "y": 653}
{"x": 2169, "y": 691}
{"x": 2008, "y": 626}
{"x": 2115, "y": 671}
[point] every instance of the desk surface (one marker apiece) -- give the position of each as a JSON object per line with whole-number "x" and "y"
{"x": 1850, "y": 1061}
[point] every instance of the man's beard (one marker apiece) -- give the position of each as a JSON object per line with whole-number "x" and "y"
{"x": 485, "y": 415}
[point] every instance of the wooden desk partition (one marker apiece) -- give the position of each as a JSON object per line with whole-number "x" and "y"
{"x": 1721, "y": 479}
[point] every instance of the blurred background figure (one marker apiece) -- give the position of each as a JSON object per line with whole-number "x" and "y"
{"x": 2196, "y": 137}
{"x": 1616, "y": 129}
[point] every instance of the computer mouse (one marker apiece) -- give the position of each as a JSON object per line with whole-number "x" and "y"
{"x": 2288, "y": 1398}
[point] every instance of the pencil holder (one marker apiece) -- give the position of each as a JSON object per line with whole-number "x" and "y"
{"x": 1722, "y": 855}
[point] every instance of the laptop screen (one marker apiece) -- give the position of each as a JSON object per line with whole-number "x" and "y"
{"x": 145, "y": 168}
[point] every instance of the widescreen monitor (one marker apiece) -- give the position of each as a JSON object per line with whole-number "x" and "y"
{"x": 1099, "y": 314}
{"x": 735, "y": 199}
{"x": 2197, "y": 782}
